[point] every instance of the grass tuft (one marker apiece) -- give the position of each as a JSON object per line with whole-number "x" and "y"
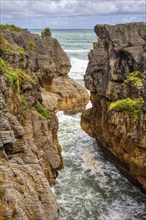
{"x": 10, "y": 27}
{"x": 128, "y": 105}
{"x": 43, "y": 111}
{"x": 136, "y": 78}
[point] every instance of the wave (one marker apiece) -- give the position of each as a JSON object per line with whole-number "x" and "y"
{"x": 78, "y": 66}
{"x": 76, "y": 51}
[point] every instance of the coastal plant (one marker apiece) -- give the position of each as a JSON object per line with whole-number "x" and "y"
{"x": 22, "y": 52}
{"x": 24, "y": 101}
{"x": 15, "y": 76}
{"x": 31, "y": 44}
{"x": 10, "y": 27}
{"x": 3, "y": 67}
{"x": 6, "y": 49}
{"x": 136, "y": 78}
{"x": 22, "y": 63}
{"x": 13, "y": 79}
{"x": 42, "y": 110}
{"x": 46, "y": 32}
{"x": 128, "y": 105}
{"x": 3, "y": 43}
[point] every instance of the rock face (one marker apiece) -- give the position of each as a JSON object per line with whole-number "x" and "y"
{"x": 31, "y": 71}
{"x": 116, "y": 78}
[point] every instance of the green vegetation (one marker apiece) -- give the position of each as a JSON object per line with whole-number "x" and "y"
{"x": 5, "y": 48}
{"x": 24, "y": 101}
{"x": 46, "y": 32}
{"x": 103, "y": 26}
{"x": 3, "y": 67}
{"x": 22, "y": 52}
{"x": 43, "y": 111}
{"x": 128, "y": 105}
{"x": 135, "y": 78}
{"x": 15, "y": 76}
{"x": 31, "y": 44}
{"x": 13, "y": 79}
{"x": 22, "y": 63}
{"x": 10, "y": 27}
{"x": 95, "y": 45}
{"x": 22, "y": 56}
{"x": 3, "y": 43}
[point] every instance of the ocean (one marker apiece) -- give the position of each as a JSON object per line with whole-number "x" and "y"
{"x": 89, "y": 187}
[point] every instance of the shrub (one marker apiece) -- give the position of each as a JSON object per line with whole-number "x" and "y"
{"x": 135, "y": 78}
{"x": 3, "y": 44}
{"x": 22, "y": 52}
{"x": 43, "y": 111}
{"x": 128, "y": 105}
{"x": 13, "y": 79}
{"x": 5, "y": 48}
{"x": 46, "y": 32}
{"x": 31, "y": 44}
{"x": 10, "y": 27}
{"x": 3, "y": 67}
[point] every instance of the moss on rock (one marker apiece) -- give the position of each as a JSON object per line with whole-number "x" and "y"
{"x": 128, "y": 105}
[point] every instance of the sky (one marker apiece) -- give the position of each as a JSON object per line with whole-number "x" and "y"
{"x": 71, "y": 14}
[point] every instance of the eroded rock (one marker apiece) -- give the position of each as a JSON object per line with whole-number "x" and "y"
{"x": 33, "y": 85}
{"x": 117, "y": 72}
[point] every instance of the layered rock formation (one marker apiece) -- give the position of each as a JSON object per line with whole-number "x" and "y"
{"x": 33, "y": 85}
{"x": 116, "y": 78}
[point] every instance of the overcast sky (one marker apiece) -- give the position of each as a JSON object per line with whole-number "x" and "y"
{"x": 70, "y": 14}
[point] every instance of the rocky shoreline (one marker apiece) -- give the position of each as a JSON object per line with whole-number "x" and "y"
{"x": 116, "y": 78}
{"x": 34, "y": 85}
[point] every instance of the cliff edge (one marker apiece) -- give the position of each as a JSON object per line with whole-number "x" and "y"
{"x": 34, "y": 84}
{"x": 116, "y": 78}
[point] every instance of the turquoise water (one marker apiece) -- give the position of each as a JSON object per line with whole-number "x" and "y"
{"x": 89, "y": 187}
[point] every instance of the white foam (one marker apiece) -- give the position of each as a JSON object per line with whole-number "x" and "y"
{"x": 78, "y": 66}
{"x": 75, "y": 51}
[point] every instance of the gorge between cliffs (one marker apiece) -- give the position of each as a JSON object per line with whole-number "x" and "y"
{"x": 88, "y": 185}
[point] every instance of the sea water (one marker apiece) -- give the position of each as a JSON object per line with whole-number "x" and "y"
{"x": 89, "y": 187}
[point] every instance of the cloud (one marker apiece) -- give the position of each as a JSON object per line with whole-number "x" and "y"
{"x": 27, "y": 10}
{"x": 72, "y": 7}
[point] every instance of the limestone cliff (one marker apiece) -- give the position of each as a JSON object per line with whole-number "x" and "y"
{"x": 116, "y": 78}
{"x": 33, "y": 85}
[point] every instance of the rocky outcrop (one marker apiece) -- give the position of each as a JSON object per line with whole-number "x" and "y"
{"x": 31, "y": 71}
{"x": 116, "y": 78}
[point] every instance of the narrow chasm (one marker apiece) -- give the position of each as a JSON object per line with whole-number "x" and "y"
{"x": 50, "y": 168}
{"x": 89, "y": 186}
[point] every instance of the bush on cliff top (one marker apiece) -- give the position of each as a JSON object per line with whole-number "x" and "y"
{"x": 128, "y": 105}
{"x": 10, "y": 27}
{"x": 42, "y": 110}
{"x": 46, "y": 32}
{"x": 135, "y": 78}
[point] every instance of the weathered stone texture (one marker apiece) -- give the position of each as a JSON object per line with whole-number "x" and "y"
{"x": 30, "y": 155}
{"x": 120, "y": 50}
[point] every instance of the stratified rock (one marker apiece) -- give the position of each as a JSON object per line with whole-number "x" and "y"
{"x": 117, "y": 72}
{"x": 33, "y": 86}
{"x": 45, "y": 58}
